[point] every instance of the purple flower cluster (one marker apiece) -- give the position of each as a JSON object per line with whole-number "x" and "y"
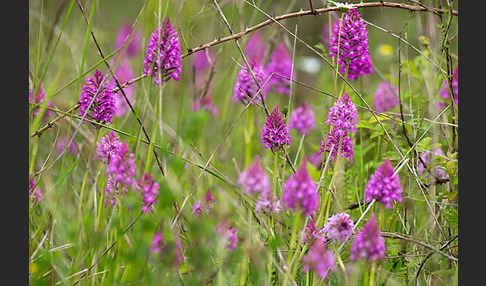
{"x": 254, "y": 179}
{"x": 61, "y": 144}
{"x": 275, "y": 133}
{"x": 208, "y": 204}
{"x": 41, "y": 94}
{"x": 133, "y": 49}
{"x": 343, "y": 117}
{"x": 108, "y": 147}
{"x": 123, "y": 73}
{"x": 206, "y": 104}
{"x": 316, "y": 159}
{"x": 245, "y": 88}
{"x": 302, "y": 119}
{"x": 352, "y": 45}
{"x": 120, "y": 171}
{"x": 229, "y": 234}
{"x": 385, "y": 97}
{"x": 157, "y": 241}
{"x": 34, "y": 192}
{"x": 149, "y": 190}
{"x": 256, "y": 48}
{"x": 339, "y": 227}
{"x": 444, "y": 92}
{"x": 300, "y": 191}
{"x": 281, "y": 64}
{"x": 384, "y": 186}
{"x": 326, "y": 41}
{"x": 268, "y": 203}
{"x": 319, "y": 259}
{"x": 163, "y": 56}
{"x": 311, "y": 232}
{"x": 440, "y": 173}
{"x": 103, "y": 106}
{"x": 202, "y": 60}
{"x": 121, "y": 166}
{"x": 368, "y": 243}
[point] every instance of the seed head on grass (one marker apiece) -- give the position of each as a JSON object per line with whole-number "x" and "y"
{"x": 339, "y": 227}
{"x": 385, "y": 97}
{"x": 280, "y": 63}
{"x": 343, "y": 117}
{"x": 163, "y": 56}
{"x": 302, "y": 119}
{"x": 103, "y": 106}
{"x": 352, "y": 45}
{"x": 149, "y": 190}
{"x": 275, "y": 133}
{"x": 300, "y": 191}
{"x": 384, "y": 186}
{"x": 245, "y": 88}
{"x": 319, "y": 259}
{"x": 368, "y": 243}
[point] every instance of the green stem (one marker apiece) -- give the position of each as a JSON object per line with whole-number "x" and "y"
{"x": 292, "y": 245}
{"x": 372, "y": 274}
{"x": 85, "y": 178}
{"x": 247, "y": 135}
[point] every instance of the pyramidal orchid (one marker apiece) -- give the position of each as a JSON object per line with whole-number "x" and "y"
{"x": 163, "y": 56}
{"x": 343, "y": 117}
{"x": 339, "y": 227}
{"x": 384, "y": 186}
{"x": 302, "y": 119}
{"x": 149, "y": 190}
{"x": 245, "y": 88}
{"x": 444, "y": 91}
{"x": 352, "y": 44}
{"x": 254, "y": 180}
{"x": 256, "y": 48}
{"x": 123, "y": 73}
{"x": 301, "y": 192}
{"x": 97, "y": 101}
{"x": 280, "y": 64}
{"x": 319, "y": 259}
{"x": 385, "y": 97}
{"x": 368, "y": 243}
{"x": 134, "y": 47}
{"x": 275, "y": 133}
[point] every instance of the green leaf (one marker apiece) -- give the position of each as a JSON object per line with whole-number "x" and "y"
{"x": 424, "y": 144}
{"x": 365, "y": 124}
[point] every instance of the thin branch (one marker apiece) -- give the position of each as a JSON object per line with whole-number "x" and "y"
{"x": 416, "y": 241}
{"x": 309, "y": 12}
